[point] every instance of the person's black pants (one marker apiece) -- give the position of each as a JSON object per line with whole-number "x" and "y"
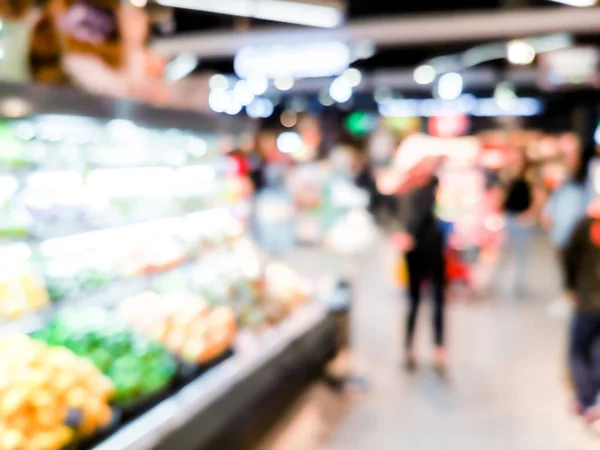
{"x": 426, "y": 264}
{"x": 584, "y": 334}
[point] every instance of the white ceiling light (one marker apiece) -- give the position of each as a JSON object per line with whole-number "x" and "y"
{"x": 424, "y": 74}
{"x": 139, "y": 3}
{"x": 284, "y": 83}
{"x": 325, "y": 99}
{"x": 289, "y": 142}
{"x": 296, "y": 12}
{"x": 505, "y": 96}
{"x": 383, "y": 94}
{"x": 520, "y": 52}
{"x": 259, "y": 84}
{"x": 289, "y": 118}
{"x": 578, "y": 3}
{"x": 341, "y": 90}
{"x": 219, "y": 82}
{"x": 242, "y": 93}
{"x": 260, "y": 108}
{"x": 219, "y": 99}
{"x": 299, "y": 60}
{"x": 354, "y": 77}
{"x": 450, "y": 86}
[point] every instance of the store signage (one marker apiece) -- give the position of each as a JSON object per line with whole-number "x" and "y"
{"x": 465, "y": 104}
{"x": 448, "y": 125}
{"x": 569, "y": 68}
{"x": 296, "y": 61}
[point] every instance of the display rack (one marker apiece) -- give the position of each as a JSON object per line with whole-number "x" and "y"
{"x": 201, "y": 412}
{"x": 184, "y": 253}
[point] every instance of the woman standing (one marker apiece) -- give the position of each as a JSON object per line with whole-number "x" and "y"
{"x": 423, "y": 244}
{"x": 520, "y": 206}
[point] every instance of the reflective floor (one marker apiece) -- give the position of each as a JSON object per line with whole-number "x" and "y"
{"x": 507, "y": 387}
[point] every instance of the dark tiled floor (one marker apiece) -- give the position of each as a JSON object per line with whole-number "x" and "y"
{"x": 506, "y": 389}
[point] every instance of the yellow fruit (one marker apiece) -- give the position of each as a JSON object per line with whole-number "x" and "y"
{"x": 11, "y": 439}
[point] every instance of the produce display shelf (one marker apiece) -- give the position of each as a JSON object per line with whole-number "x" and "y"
{"x": 201, "y": 412}
{"x": 109, "y": 296}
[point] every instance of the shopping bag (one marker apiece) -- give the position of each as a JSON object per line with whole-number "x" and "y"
{"x": 401, "y": 272}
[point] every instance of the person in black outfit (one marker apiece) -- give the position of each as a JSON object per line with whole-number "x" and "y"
{"x": 424, "y": 247}
{"x": 520, "y": 208}
{"x": 582, "y": 265}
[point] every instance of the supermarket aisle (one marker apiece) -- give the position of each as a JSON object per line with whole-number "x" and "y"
{"x": 507, "y": 388}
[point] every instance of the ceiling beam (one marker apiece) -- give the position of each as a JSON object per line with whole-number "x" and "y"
{"x": 396, "y": 31}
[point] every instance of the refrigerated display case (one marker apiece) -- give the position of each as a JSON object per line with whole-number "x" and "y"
{"x": 125, "y": 271}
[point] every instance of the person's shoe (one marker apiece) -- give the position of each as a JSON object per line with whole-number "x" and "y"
{"x": 439, "y": 361}
{"x": 410, "y": 361}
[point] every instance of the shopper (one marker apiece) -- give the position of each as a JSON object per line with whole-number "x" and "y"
{"x": 423, "y": 245}
{"x": 582, "y": 261}
{"x": 520, "y": 206}
{"x": 568, "y": 203}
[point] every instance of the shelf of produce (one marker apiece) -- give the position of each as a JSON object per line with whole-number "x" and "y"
{"x": 202, "y": 411}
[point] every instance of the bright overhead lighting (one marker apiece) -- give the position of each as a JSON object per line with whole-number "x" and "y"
{"x": 520, "y": 52}
{"x": 219, "y": 82}
{"x": 299, "y": 60}
{"x": 260, "y": 108}
{"x": 450, "y": 86}
{"x": 353, "y": 76}
{"x": 578, "y": 3}
{"x": 295, "y": 12}
{"x": 341, "y": 90}
{"x": 284, "y": 83}
{"x": 139, "y": 3}
{"x": 289, "y": 142}
{"x": 424, "y": 74}
{"x": 259, "y": 84}
{"x": 242, "y": 93}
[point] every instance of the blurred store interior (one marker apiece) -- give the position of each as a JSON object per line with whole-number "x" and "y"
{"x": 299, "y": 224}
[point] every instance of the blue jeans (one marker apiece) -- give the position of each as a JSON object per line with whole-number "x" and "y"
{"x": 584, "y": 334}
{"x": 517, "y": 246}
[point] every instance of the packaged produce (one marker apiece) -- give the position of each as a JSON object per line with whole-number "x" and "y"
{"x": 137, "y": 366}
{"x": 48, "y": 396}
{"x": 183, "y": 322}
{"x": 21, "y": 291}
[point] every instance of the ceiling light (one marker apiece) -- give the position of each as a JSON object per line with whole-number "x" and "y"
{"x": 139, "y": 3}
{"x": 219, "y": 82}
{"x": 260, "y": 108}
{"x": 353, "y": 76}
{"x": 450, "y": 86}
{"x": 383, "y": 94}
{"x": 296, "y": 12}
{"x": 325, "y": 99}
{"x": 505, "y": 96}
{"x": 341, "y": 90}
{"x": 259, "y": 84}
{"x": 219, "y": 99}
{"x": 520, "y": 52}
{"x": 284, "y": 83}
{"x": 242, "y": 93}
{"x": 578, "y": 3}
{"x": 289, "y": 118}
{"x": 289, "y": 142}
{"x": 424, "y": 74}
{"x": 299, "y": 60}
